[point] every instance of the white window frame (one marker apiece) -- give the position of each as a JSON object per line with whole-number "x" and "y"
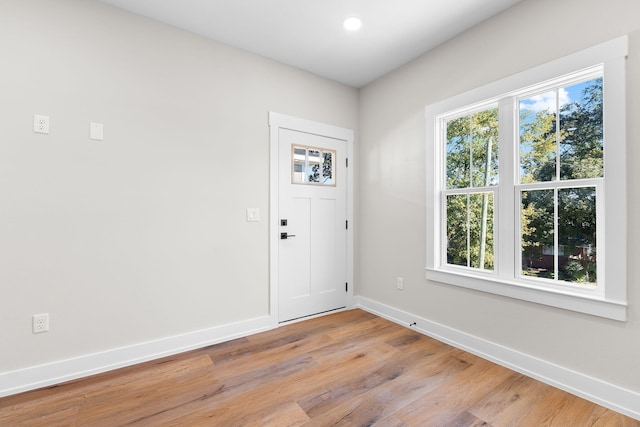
{"x": 609, "y": 298}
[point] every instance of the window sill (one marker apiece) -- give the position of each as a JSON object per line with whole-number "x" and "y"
{"x": 596, "y": 306}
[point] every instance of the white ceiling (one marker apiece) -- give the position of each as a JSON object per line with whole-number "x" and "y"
{"x": 308, "y": 34}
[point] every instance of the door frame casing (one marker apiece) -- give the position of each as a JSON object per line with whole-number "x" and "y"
{"x": 279, "y": 121}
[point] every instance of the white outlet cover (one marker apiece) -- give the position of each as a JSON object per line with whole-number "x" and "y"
{"x": 40, "y": 323}
{"x": 40, "y": 124}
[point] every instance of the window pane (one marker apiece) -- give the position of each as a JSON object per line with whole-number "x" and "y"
{"x": 327, "y": 167}
{"x": 458, "y": 140}
{"x": 299, "y": 165}
{"x": 481, "y": 230}
{"x": 313, "y": 167}
{"x": 472, "y": 150}
{"x": 577, "y": 234}
{"x": 537, "y": 225}
{"x": 538, "y": 141}
{"x": 484, "y": 132}
{"x": 581, "y": 134}
{"x": 457, "y": 251}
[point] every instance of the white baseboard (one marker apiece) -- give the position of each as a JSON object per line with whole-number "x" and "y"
{"x": 31, "y": 378}
{"x": 621, "y": 400}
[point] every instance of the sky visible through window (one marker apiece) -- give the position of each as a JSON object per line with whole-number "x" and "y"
{"x": 547, "y": 100}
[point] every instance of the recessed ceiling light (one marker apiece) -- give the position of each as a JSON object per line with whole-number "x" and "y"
{"x": 352, "y": 23}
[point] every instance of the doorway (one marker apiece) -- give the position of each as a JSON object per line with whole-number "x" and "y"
{"x": 311, "y": 204}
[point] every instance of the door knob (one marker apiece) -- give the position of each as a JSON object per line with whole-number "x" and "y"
{"x": 285, "y": 236}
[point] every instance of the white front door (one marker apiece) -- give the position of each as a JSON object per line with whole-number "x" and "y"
{"x": 312, "y": 224}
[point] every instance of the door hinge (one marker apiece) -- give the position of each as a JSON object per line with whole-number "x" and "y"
{"x": 346, "y": 161}
{"x": 346, "y": 224}
{"x": 346, "y": 287}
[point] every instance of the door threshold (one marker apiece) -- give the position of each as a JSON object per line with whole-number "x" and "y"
{"x": 310, "y": 316}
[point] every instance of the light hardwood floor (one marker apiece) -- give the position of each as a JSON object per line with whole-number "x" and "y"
{"x": 348, "y": 369}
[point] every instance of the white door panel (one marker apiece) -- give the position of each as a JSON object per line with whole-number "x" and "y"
{"x": 312, "y": 260}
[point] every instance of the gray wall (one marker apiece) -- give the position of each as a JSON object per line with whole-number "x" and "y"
{"x": 392, "y": 185}
{"x": 143, "y": 235}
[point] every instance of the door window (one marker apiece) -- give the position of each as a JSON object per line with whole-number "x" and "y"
{"x": 312, "y": 165}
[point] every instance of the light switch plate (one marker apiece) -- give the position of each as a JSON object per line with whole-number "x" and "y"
{"x": 253, "y": 214}
{"x": 96, "y": 131}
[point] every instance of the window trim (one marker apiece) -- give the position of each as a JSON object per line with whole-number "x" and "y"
{"x": 610, "y": 300}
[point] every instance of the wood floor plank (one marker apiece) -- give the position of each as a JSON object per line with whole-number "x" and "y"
{"x": 337, "y": 349}
{"x": 128, "y": 402}
{"x": 41, "y": 412}
{"x": 449, "y": 399}
{"x": 606, "y": 417}
{"x": 417, "y": 360}
{"x": 466, "y": 419}
{"x": 508, "y": 402}
{"x": 381, "y": 401}
{"x": 63, "y": 418}
{"x": 229, "y": 410}
{"x": 560, "y": 408}
{"x": 270, "y": 359}
{"x": 390, "y": 421}
{"x": 345, "y": 369}
{"x": 288, "y": 414}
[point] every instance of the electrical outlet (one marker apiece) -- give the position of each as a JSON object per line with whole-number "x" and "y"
{"x": 40, "y": 124}
{"x": 40, "y": 323}
{"x": 400, "y": 283}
